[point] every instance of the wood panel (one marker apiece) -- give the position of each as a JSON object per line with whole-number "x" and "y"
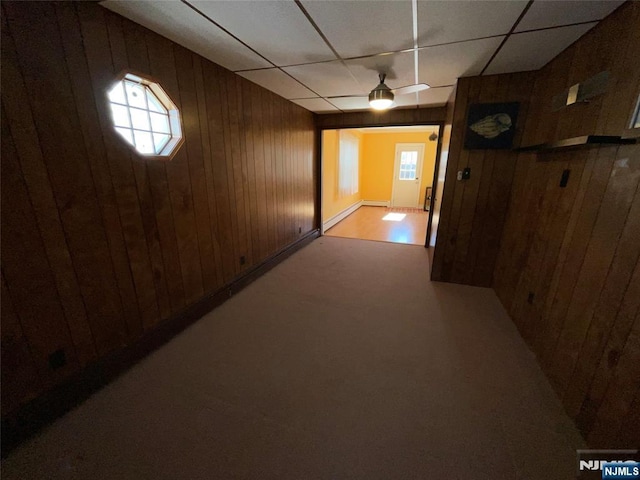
{"x": 566, "y": 262}
{"x": 566, "y": 266}
{"x": 413, "y": 116}
{"x": 473, "y": 211}
{"x": 101, "y": 245}
{"x": 41, "y": 55}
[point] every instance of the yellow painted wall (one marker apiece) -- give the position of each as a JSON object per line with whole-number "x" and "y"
{"x": 331, "y": 203}
{"x": 377, "y": 158}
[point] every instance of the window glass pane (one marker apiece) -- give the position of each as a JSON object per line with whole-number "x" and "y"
{"x": 120, "y": 115}
{"x": 126, "y": 133}
{"x": 348, "y": 160}
{"x": 409, "y": 158}
{"x": 135, "y": 95}
{"x": 117, "y": 94}
{"x": 140, "y": 119}
{"x": 144, "y": 144}
{"x": 159, "y": 122}
{"x": 160, "y": 140}
{"x": 154, "y": 104}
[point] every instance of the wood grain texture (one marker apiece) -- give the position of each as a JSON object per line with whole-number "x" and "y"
{"x": 577, "y": 257}
{"x": 566, "y": 264}
{"x": 473, "y": 211}
{"x": 101, "y": 245}
{"x": 391, "y": 117}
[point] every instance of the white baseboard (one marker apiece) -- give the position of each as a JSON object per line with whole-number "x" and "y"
{"x": 376, "y": 203}
{"x": 341, "y": 216}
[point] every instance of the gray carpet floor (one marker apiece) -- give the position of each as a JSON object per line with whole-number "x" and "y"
{"x": 344, "y": 362}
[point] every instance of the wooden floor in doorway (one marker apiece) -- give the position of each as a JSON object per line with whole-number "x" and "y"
{"x": 404, "y": 225}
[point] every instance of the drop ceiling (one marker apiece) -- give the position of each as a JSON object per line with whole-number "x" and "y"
{"x": 326, "y": 55}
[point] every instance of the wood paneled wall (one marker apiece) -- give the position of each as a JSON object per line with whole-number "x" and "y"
{"x": 473, "y": 211}
{"x": 441, "y": 172}
{"x": 568, "y": 270}
{"x": 370, "y": 118}
{"x": 563, "y": 261}
{"x": 100, "y": 245}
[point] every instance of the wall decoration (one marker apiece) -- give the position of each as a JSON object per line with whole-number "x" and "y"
{"x": 491, "y": 125}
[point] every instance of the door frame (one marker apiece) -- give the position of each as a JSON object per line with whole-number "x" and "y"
{"x": 418, "y": 172}
{"x": 341, "y": 124}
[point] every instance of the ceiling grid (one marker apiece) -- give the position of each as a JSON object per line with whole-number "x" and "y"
{"x": 326, "y": 55}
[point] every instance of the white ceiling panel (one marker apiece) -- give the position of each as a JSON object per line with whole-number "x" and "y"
{"x": 457, "y": 39}
{"x": 434, "y": 96}
{"x": 317, "y": 105}
{"x": 517, "y": 54}
{"x": 443, "y": 65}
{"x": 278, "y": 30}
{"x": 178, "y": 22}
{"x": 450, "y": 21}
{"x": 357, "y": 28}
{"x": 328, "y": 79}
{"x": 278, "y": 82}
{"x": 351, "y": 103}
{"x": 398, "y": 67}
{"x": 544, "y": 14}
{"x": 409, "y": 100}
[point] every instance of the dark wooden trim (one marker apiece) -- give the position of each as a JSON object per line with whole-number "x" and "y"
{"x": 434, "y": 183}
{"x": 394, "y": 117}
{"x": 319, "y": 130}
{"x": 40, "y": 412}
{"x": 317, "y": 221}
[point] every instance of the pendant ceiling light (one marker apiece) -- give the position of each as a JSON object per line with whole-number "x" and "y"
{"x": 381, "y": 97}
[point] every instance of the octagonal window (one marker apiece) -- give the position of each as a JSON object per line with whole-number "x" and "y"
{"x": 144, "y": 115}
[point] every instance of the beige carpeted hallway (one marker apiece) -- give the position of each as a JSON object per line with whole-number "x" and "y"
{"x": 342, "y": 362}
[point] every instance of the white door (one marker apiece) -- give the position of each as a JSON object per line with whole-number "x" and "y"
{"x": 407, "y": 171}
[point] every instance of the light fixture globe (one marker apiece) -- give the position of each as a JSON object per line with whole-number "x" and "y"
{"x": 381, "y": 97}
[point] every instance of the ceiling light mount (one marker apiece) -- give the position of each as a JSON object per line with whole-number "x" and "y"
{"x": 381, "y": 97}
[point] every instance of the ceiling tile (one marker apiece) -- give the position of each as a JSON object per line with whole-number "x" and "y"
{"x": 516, "y": 55}
{"x": 409, "y": 100}
{"x": 443, "y": 65}
{"x": 450, "y": 21}
{"x": 398, "y": 67}
{"x": 278, "y": 82}
{"x": 317, "y": 105}
{"x": 351, "y": 103}
{"x": 357, "y": 28}
{"x": 544, "y": 14}
{"x": 178, "y": 22}
{"x": 276, "y": 29}
{"x": 328, "y": 79}
{"x": 434, "y": 96}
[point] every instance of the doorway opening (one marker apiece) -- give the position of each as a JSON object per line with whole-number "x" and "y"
{"x": 377, "y": 182}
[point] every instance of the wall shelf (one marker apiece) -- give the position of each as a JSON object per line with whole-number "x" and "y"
{"x": 583, "y": 141}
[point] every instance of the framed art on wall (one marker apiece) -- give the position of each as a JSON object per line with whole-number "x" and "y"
{"x": 491, "y": 125}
